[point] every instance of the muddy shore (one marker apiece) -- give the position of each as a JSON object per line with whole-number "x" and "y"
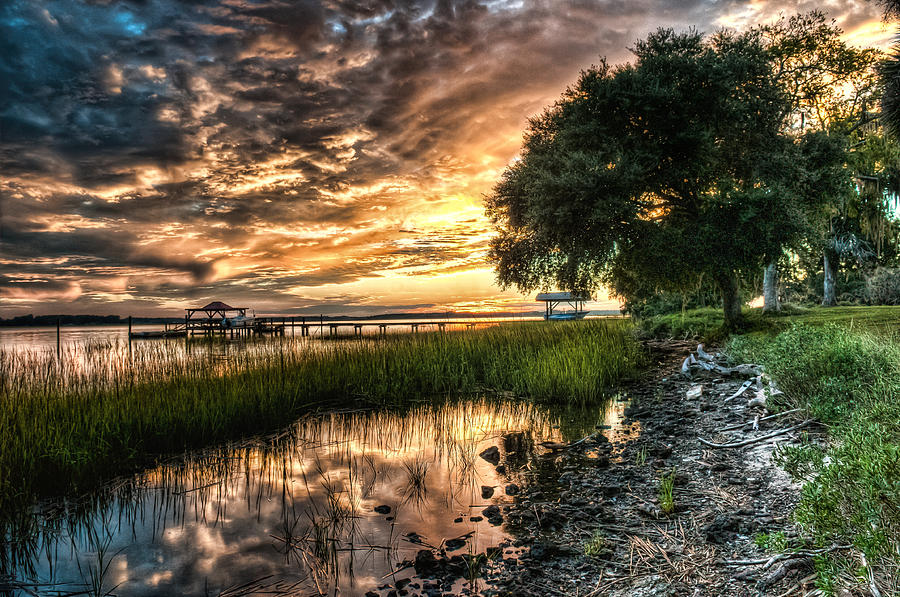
{"x": 595, "y": 522}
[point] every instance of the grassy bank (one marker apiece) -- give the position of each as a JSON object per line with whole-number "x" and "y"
{"x": 847, "y": 377}
{"x": 706, "y": 324}
{"x": 65, "y": 431}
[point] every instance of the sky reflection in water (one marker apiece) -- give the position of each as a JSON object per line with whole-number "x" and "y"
{"x": 296, "y": 510}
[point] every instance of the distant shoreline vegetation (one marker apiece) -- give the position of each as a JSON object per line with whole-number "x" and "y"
{"x": 75, "y": 320}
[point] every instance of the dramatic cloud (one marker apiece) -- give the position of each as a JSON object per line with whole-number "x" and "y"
{"x": 303, "y": 156}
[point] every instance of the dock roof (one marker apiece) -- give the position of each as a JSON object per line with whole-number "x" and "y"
{"x": 561, "y": 296}
{"x": 218, "y": 306}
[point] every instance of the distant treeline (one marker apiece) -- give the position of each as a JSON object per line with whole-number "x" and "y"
{"x": 50, "y": 320}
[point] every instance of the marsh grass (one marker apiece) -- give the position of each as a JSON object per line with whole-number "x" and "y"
{"x": 666, "y": 493}
{"x": 102, "y": 410}
{"x": 849, "y": 379}
{"x": 596, "y": 546}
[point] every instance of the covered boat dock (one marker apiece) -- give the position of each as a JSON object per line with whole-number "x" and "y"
{"x": 552, "y": 301}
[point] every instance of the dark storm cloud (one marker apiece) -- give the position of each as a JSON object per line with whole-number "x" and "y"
{"x": 179, "y": 149}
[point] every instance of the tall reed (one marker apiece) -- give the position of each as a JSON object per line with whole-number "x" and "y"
{"x": 68, "y": 425}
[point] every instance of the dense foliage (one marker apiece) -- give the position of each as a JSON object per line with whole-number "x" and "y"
{"x": 662, "y": 174}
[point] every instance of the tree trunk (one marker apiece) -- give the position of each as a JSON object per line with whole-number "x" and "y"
{"x": 770, "y": 289}
{"x": 731, "y": 299}
{"x": 830, "y": 261}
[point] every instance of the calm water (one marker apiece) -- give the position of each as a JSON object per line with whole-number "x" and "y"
{"x": 294, "y": 514}
{"x": 44, "y": 338}
{"x": 290, "y": 514}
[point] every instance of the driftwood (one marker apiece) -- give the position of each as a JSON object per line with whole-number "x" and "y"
{"x": 703, "y": 355}
{"x": 744, "y": 387}
{"x": 769, "y": 418}
{"x": 756, "y": 440}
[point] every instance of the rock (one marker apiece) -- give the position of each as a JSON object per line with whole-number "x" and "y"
{"x": 372, "y": 594}
{"x": 609, "y": 490}
{"x": 649, "y": 511}
{"x": 401, "y": 583}
{"x": 662, "y": 450}
{"x": 383, "y": 509}
{"x": 476, "y": 518}
{"x": 501, "y": 469}
{"x": 454, "y": 544}
{"x": 486, "y": 492}
{"x": 491, "y": 511}
{"x": 458, "y": 519}
{"x": 566, "y": 477}
{"x": 694, "y": 392}
{"x": 492, "y": 455}
{"x": 512, "y": 489}
{"x": 425, "y": 562}
{"x": 495, "y": 520}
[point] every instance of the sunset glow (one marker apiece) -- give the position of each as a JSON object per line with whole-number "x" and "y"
{"x": 297, "y": 157}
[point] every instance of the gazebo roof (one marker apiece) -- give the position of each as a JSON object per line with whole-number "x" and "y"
{"x": 217, "y": 306}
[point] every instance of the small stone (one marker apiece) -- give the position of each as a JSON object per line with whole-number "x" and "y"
{"x": 492, "y": 455}
{"x": 476, "y": 518}
{"x": 383, "y": 509}
{"x": 512, "y": 489}
{"x": 491, "y": 511}
{"x": 458, "y": 519}
{"x": 425, "y": 561}
{"x": 501, "y": 469}
{"x": 486, "y": 492}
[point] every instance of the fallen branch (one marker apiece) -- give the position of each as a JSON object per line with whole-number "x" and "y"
{"x": 767, "y": 562}
{"x": 769, "y": 418}
{"x": 756, "y": 440}
{"x": 744, "y": 387}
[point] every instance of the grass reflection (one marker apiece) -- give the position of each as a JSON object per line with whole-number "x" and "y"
{"x": 308, "y": 494}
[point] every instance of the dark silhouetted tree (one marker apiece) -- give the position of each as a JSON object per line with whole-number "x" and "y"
{"x": 659, "y": 172}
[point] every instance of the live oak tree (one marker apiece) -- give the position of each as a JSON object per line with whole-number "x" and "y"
{"x": 661, "y": 171}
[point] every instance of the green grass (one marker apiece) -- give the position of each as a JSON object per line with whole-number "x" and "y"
{"x": 596, "y": 546}
{"x": 666, "y": 493}
{"x": 845, "y": 372}
{"x": 706, "y": 324}
{"x": 68, "y": 430}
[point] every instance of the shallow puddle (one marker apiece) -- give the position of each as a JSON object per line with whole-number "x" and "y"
{"x": 296, "y": 513}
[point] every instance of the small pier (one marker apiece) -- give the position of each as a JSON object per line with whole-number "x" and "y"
{"x": 220, "y": 319}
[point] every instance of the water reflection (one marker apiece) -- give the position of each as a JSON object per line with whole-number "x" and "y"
{"x": 296, "y": 513}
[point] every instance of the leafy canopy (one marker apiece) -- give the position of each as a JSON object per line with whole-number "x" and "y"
{"x": 657, "y": 172}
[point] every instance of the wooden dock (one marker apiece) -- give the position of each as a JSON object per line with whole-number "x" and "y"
{"x": 309, "y": 326}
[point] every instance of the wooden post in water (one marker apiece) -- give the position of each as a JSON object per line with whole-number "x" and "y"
{"x": 57, "y": 338}
{"x": 321, "y": 325}
{"x": 129, "y": 332}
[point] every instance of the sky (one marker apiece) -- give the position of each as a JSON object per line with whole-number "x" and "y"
{"x": 298, "y": 157}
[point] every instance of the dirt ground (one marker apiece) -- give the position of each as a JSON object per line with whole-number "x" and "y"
{"x": 609, "y": 500}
